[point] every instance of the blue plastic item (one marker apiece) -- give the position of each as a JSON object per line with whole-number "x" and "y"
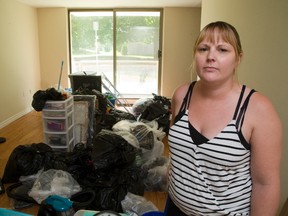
{"x": 153, "y": 213}
{"x": 8, "y": 212}
{"x": 60, "y": 204}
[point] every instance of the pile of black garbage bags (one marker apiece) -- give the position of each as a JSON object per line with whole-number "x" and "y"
{"x": 126, "y": 157}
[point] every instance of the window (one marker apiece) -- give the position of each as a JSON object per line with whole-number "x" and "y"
{"x": 122, "y": 45}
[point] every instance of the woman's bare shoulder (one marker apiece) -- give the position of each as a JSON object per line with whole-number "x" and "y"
{"x": 181, "y": 90}
{"x": 261, "y": 103}
{"x": 262, "y": 108}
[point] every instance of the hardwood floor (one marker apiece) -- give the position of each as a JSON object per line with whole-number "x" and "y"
{"x": 27, "y": 130}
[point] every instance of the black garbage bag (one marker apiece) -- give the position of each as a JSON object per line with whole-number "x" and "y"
{"x": 26, "y": 160}
{"x": 163, "y": 100}
{"x": 41, "y": 96}
{"x": 79, "y": 163}
{"x": 153, "y": 111}
{"x": 112, "y": 150}
{"x": 122, "y": 115}
{"x": 159, "y": 109}
{"x": 111, "y": 174}
{"x": 83, "y": 199}
{"x": 39, "y": 100}
{"x": 134, "y": 176}
{"x": 57, "y": 160}
{"x": 156, "y": 111}
{"x": 111, "y": 187}
{"x": 110, "y": 198}
{"x": 108, "y": 120}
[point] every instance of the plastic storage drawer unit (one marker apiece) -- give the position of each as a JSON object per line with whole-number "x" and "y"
{"x": 58, "y": 124}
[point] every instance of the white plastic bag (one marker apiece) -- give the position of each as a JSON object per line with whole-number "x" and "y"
{"x": 133, "y": 203}
{"x": 54, "y": 182}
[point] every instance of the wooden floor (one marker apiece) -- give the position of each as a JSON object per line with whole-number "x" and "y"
{"x": 27, "y": 130}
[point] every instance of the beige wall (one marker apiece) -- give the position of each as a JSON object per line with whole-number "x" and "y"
{"x": 53, "y": 44}
{"x": 180, "y": 29}
{"x": 19, "y": 57}
{"x": 262, "y": 25}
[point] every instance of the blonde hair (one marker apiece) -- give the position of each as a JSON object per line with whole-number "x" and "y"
{"x": 227, "y": 32}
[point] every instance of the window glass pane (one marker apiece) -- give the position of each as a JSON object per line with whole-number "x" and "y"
{"x": 92, "y": 42}
{"x": 137, "y": 38}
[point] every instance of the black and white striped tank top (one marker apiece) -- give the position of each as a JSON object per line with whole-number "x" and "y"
{"x": 210, "y": 177}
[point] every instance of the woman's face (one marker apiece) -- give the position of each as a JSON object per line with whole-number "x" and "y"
{"x": 215, "y": 59}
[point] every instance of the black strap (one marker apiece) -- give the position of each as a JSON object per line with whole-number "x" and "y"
{"x": 83, "y": 199}
{"x": 187, "y": 98}
{"x": 19, "y": 192}
{"x": 185, "y": 103}
{"x": 243, "y": 109}
{"x": 239, "y": 101}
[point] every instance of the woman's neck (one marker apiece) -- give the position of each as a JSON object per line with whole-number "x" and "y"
{"x": 216, "y": 91}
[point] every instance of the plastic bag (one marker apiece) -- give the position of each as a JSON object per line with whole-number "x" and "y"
{"x": 144, "y": 136}
{"x": 130, "y": 138}
{"x": 146, "y": 133}
{"x": 158, "y": 110}
{"x": 41, "y": 96}
{"x": 159, "y": 134}
{"x": 18, "y": 192}
{"x": 157, "y": 151}
{"x": 156, "y": 179}
{"x": 54, "y": 182}
{"x": 136, "y": 204}
{"x": 112, "y": 150}
{"x": 123, "y": 125}
{"x": 139, "y": 106}
{"x": 26, "y": 160}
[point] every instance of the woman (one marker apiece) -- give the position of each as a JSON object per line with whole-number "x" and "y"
{"x": 225, "y": 138}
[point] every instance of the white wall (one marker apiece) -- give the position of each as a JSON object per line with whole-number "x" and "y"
{"x": 262, "y": 25}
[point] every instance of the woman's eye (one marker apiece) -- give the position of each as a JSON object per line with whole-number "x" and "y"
{"x": 223, "y": 50}
{"x": 202, "y": 49}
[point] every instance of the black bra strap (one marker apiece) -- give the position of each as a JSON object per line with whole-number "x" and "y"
{"x": 187, "y": 98}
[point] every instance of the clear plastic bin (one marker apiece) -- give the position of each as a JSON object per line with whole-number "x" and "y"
{"x": 54, "y": 113}
{"x": 54, "y": 125}
{"x": 59, "y": 139}
{"x": 55, "y": 139}
{"x": 58, "y": 105}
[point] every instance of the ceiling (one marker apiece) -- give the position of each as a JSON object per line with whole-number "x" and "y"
{"x": 112, "y": 3}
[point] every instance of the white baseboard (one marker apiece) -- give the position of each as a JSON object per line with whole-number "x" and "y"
{"x": 15, "y": 117}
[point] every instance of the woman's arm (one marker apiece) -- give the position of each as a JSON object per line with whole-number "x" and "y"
{"x": 266, "y": 151}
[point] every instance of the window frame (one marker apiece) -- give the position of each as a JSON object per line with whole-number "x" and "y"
{"x": 115, "y": 10}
